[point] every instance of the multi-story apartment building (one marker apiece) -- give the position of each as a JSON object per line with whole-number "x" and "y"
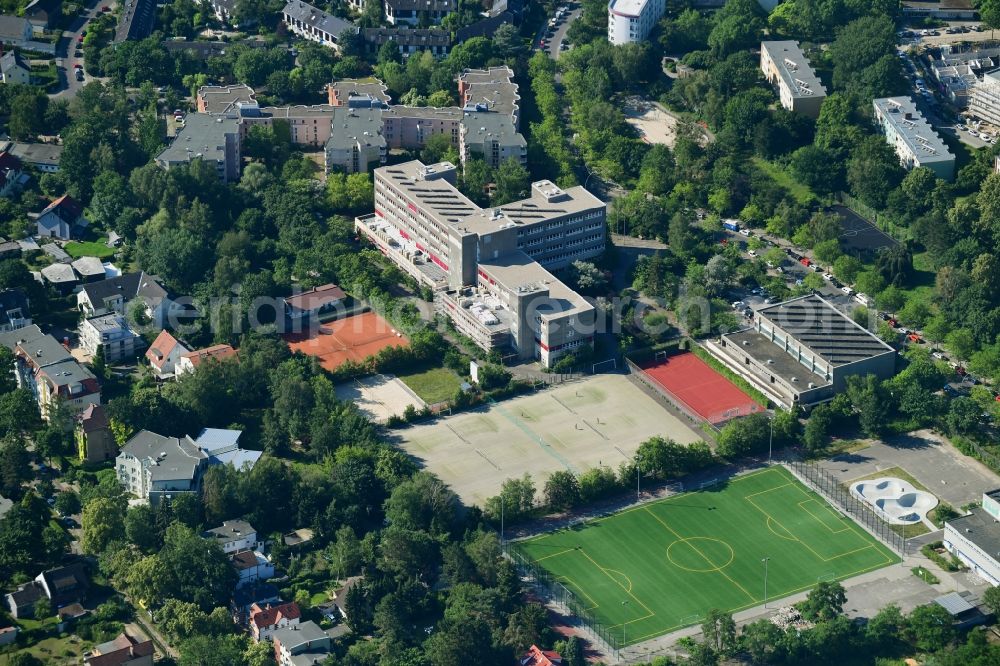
{"x": 314, "y": 24}
{"x": 214, "y": 139}
{"x": 424, "y": 13}
{"x": 359, "y": 94}
{"x": 913, "y": 139}
{"x": 631, "y": 20}
{"x": 110, "y": 334}
{"x": 356, "y": 141}
{"x": 786, "y": 67}
{"x": 154, "y": 467}
{"x": 984, "y": 98}
{"x": 491, "y": 116}
{"x": 409, "y": 40}
{"x": 409, "y": 127}
{"x": 490, "y": 268}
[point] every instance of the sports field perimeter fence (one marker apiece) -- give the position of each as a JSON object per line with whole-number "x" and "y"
{"x": 669, "y": 395}
{"x": 827, "y": 485}
{"x": 559, "y": 593}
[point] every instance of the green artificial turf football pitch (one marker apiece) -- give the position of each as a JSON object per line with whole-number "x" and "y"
{"x": 661, "y": 566}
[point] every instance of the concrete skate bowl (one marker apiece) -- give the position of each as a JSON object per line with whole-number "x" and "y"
{"x": 895, "y": 500}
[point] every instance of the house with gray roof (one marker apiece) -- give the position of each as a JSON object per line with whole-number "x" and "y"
{"x": 155, "y": 467}
{"x": 14, "y": 68}
{"x": 43, "y": 13}
{"x": 302, "y": 644}
{"x": 14, "y": 30}
{"x": 115, "y": 294}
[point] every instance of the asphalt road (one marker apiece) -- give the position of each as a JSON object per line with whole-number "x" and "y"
{"x": 67, "y": 48}
{"x": 560, "y": 33}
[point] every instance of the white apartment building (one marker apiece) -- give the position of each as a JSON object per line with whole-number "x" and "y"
{"x": 975, "y": 538}
{"x": 984, "y": 98}
{"x": 490, "y": 268}
{"x": 786, "y": 67}
{"x": 914, "y": 140}
{"x": 111, "y": 335}
{"x": 154, "y": 467}
{"x": 314, "y": 24}
{"x": 632, "y": 20}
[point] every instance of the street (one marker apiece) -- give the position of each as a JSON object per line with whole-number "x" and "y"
{"x": 66, "y": 59}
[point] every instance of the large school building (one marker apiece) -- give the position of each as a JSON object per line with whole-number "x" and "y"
{"x": 489, "y": 268}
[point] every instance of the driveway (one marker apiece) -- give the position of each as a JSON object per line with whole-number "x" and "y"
{"x": 955, "y": 478}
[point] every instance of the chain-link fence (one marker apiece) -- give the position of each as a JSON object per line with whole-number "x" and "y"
{"x": 826, "y": 484}
{"x": 555, "y": 591}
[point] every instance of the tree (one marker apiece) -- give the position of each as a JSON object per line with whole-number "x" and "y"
{"x": 744, "y": 436}
{"x": 587, "y": 277}
{"x": 102, "y": 522}
{"x": 991, "y": 598}
{"x": 512, "y": 181}
{"x": 930, "y": 627}
{"x": 422, "y": 503}
{"x": 67, "y": 503}
{"x": 562, "y": 490}
{"x": 141, "y": 528}
{"x": 817, "y": 431}
{"x": 516, "y": 500}
{"x": 719, "y": 631}
{"x": 824, "y": 602}
{"x": 873, "y": 171}
{"x": 872, "y": 401}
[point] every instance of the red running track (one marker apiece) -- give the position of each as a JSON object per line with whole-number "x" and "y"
{"x": 702, "y": 389}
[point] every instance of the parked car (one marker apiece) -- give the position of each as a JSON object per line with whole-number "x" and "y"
{"x": 746, "y": 232}
{"x": 79, "y": 75}
{"x": 913, "y": 337}
{"x": 752, "y": 253}
{"x": 805, "y": 261}
{"x": 827, "y": 276}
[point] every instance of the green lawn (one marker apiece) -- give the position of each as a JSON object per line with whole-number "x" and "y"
{"x": 97, "y": 249}
{"x": 802, "y": 193}
{"x": 434, "y": 385}
{"x": 66, "y": 650}
{"x": 662, "y": 566}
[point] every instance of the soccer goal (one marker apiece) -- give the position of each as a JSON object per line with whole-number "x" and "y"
{"x": 827, "y": 577}
{"x": 603, "y": 366}
{"x": 709, "y": 484}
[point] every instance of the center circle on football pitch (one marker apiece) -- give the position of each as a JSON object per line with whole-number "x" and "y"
{"x": 700, "y": 554}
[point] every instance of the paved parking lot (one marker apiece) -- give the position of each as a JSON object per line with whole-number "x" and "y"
{"x": 946, "y": 472}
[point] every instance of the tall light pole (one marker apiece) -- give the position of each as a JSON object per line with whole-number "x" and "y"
{"x": 624, "y": 624}
{"x": 502, "y": 503}
{"x": 637, "y": 478}
{"x": 770, "y": 441}
{"x": 765, "y": 561}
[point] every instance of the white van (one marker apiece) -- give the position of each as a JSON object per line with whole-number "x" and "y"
{"x": 862, "y": 299}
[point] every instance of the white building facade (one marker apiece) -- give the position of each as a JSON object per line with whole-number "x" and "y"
{"x": 631, "y": 21}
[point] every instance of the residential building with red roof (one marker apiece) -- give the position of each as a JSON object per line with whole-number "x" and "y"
{"x": 93, "y": 435}
{"x": 61, "y": 218}
{"x": 536, "y": 656}
{"x": 190, "y": 361}
{"x": 164, "y": 354}
{"x": 124, "y": 650}
{"x": 265, "y": 621}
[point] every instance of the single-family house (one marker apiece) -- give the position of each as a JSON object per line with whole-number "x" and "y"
{"x": 154, "y": 467}
{"x": 125, "y": 650}
{"x": 14, "y": 312}
{"x": 314, "y": 302}
{"x": 14, "y": 68}
{"x": 10, "y": 249}
{"x": 190, "y": 361}
{"x": 265, "y": 621}
{"x": 21, "y": 602}
{"x": 244, "y": 598}
{"x": 43, "y": 14}
{"x": 164, "y": 354}
{"x": 61, "y": 219}
{"x": 535, "y": 656}
{"x": 251, "y": 566}
{"x": 14, "y": 30}
{"x": 233, "y": 536}
{"x": 11, "y": 170}
{"x": 111, "y": 335}
{"x": 65, "y": 585}
{"x": 42, "y": 156}
{"x": 61, "y": 276}
{"x": 300, "y": 644}
{"x": 115, "y": 294}
{"x": 94, "y": 439}
{"x": 90, "y": 269}
{"x": 340, "y": 595}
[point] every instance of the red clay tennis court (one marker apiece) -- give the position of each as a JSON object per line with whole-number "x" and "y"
{"x": 701, "y": 389}
{"x": 350, "y": 339}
